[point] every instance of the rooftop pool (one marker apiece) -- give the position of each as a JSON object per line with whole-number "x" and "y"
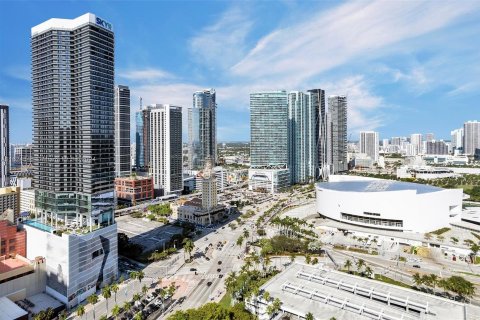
{"x": 38, "y": 225}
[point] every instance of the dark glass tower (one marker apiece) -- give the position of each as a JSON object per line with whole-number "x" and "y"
{"x": 73, "y": 119}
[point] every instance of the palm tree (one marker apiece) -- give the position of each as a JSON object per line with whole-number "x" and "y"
{"x": 116, "y": 311}
{"x": 309, "y": 316}
{"x": 417, "y": 279}
{"x": 107, "y": 293}
{"x": 239, "y": 241}
{"x": 104, "y": 317}
{"x": 368, "y": 271}
{"x": 348, "y": 264}
{"x": 127, "y": 306}
{"x": 267, "y": 261}
{"x": 144, "y": 289}
{"x": 266, "y": 296}
{"x": 292, "y": 257}
{"x": 93, "y": 299}
{"x": 138, "y": 316}
{"x": 360, "y": 263}
{"x": 230, "y": 281}
{"x": 188, "y": 247}
{"x": 308, "y": 259}
{"x": 115, "y": 289}
{"x": 443, "y": 283}
{"x": 137, "y": 297}
{"x": 246, "y": 234}
{"x": 171, "y": 289}
{"x": 81, "y": 311}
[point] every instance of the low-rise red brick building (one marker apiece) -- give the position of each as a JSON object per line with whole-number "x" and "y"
{"x": 12, "y": 240}
{"x": 134, "y": 189}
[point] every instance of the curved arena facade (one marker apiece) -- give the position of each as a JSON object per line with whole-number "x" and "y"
{"x": 387, "y": 204}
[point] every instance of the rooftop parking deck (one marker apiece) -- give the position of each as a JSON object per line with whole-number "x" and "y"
{"x": 327, "y": 293}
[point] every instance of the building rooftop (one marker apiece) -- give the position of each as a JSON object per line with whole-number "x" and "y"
{"x": 10, "y": 310}
{"x": 377, "y": 185}
{"x": 10, "y": 264}
{"x": 327, "y": 293}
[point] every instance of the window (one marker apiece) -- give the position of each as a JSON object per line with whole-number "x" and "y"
{"x": 373, "y": 221}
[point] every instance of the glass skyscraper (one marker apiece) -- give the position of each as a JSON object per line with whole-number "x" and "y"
{"x": 269, "y": 129}
{"x": 337, "y": 133}
{"x": 122, "y": 131}
{"x": 202, "y": 129}
{"x": 73, "y": 119}
{"x": 304, "y": 128}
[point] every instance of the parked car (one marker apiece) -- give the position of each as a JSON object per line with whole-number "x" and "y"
{"x": 416, "y": 266}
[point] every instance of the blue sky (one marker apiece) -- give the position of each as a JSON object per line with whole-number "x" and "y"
{"x": 406, "y": 66}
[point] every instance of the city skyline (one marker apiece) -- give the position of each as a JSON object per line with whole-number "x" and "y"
{"x": 385, "y": 87}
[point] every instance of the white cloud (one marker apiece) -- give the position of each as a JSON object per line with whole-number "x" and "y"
{"x": 19, "y": 72}
{"x": 222, "y": 44}
{"x": 148, "y": 74}
{"x": 330, "y": 39}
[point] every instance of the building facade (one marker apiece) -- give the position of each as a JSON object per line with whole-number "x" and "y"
{"x": 369, "y": 144}
{"x": 21, "y": 156}
{"x": 166, "y": 148}
{"x": 457, "y": 139}
{"x": 337, "y": 133}
{"x": 12, "y": 240}
{"x": 416, "y": 140}
{"x": 122, "y": 131}
{"x": 437, "y": 147}
{"x": 74, "y": 155}
{"x": 10, "y": 200}
{"x": 134, "y": 189}
{"x": 471, "y": 138}
{"x": 269, "y": 129}
{"x": 73, "y": 117}
{"x": 304, "y": 128}
{"x": 4, "y": 146}
{"x": 388, "y": 204}
{"x": 202, "y": 129}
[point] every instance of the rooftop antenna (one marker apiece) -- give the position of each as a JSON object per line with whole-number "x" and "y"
{"x": 140, "y": 103}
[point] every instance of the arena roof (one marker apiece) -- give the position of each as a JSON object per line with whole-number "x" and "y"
{"x": 377, "y": 185}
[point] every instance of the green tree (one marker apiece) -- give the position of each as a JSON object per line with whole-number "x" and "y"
{"x": 104, "y": 317}
{"x": 368, "y": 271}
{"x": 348, "y": 265}
{"x": 144, "y": 289}
{"x": 240, "y": 241}
{"x": 136, "y": 297}
{"x": 360, "y": 264}
{"x": 115, "y": 289}
{"x": 417, "y": 279}
{"x": 138, "y": 316}
{"x": 309, "y": 316}
{"x": 107, "y": 293}
{"x": 127, "y": 305}
{"x": 80, "y": 311}
{"x": 188, "y": 247}
{"x": 116, "y": 311}
{"x": 93, "y": 299}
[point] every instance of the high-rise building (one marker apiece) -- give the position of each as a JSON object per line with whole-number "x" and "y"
{"x": 337, "y": 133}
{"x": 369, "y": 144}
{"x": 74, "y": 155}
{"x": 209, "y": 186}
{"x": 122, "y": 131}
{"x": 436, "y": 147}
{"x": 21, "y": 155}
{"x": 317, "y": 97}
{"x": 429, "y": 137}
{"x": 269, "y": 129}
{"x": 133, "y": 154}
{"x": 303, "y": 136}
{"x": 385, "y": 143}
{"x": 4, "y": 146}
{"x": 457, "y": 138}
{"x": 471, "y": 138}
{"x": 416, "y": 140}
{"x": 202, "y": 129}
{"x": 166, "y": 148}
{"x": 142, "y": 138}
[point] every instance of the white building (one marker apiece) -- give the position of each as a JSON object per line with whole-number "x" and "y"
{"x": 369, "y": 144}
{"x": 471, "y": 138}
{"x": 416, "y": 140}
{"x": 77, "y": 263}
{"x": 457, "y": 138}
{"x": 388, "y": 204}
{"x": 27, "y": 200}
{"x": 424, "y": 172}
{"x": 268, "y": 180}
{"x": 166, "y": 148}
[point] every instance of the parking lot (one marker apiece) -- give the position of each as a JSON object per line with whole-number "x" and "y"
{"x": 150, "y": 234}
